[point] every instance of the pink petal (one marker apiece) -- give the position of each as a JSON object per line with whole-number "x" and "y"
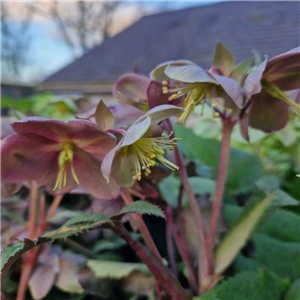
{"x": 8, "y": 189}
{"x": 54, "y": 130}
{"x": 189, "y": 74}
{"x": 41, "y": 281}
{"x": 232, "y": 88}
{"x": 26, "y": 157}
{"x": 252, "y": 83}
{"x": 156, "y": 96}
{"x": 162, "y": 112}
{"x": 49, "y": 180}
{"x": 107, "y": 162}
{"x": 136, "y": 131}
{"x": 122, "y": 169}
{"x": 89, "y": 137}
{"x": 267, "y": 113}
{"x": 132, "y": 86}
{"x": 110, "y": 207}
{"x": 159, "y": 72}
{"x": 284, "y": 70}
{"x": 88, "y": 171}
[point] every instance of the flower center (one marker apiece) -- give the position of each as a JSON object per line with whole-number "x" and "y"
{"x": 149, "y": 151}
{"x": 194, "y": 94}
{"x": 65, "y": 157}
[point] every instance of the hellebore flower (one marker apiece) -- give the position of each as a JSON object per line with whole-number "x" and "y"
{"x": 58, "y": 155}
{"x": 184, "y": 78}
{"x": 139, "y": 150}
{"x": 140, "y": 93}
{"x": 131, "y": 89}
{"x": 267, "y": 103}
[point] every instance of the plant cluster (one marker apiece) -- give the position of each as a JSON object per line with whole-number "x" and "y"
{"x": 152, "y": 163}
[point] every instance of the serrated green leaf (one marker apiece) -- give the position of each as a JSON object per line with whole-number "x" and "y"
{"x": 10, "y": 254}
{"x": 62, "y": 216}
{"x": 68, "y": 230}
{"x": 240, "y": 232}
{"x": 86, "y": 218}
{"x": 140, "y": 207}
{"x": 223, "y": 59}
{"x": 74, "y": 226}
{"x": 113, "y": 269}
{"x": 293, "y": 292}
{"x": 249, "y": 286}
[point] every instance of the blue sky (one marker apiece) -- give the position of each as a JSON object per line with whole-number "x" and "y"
{"x": 48, "y": 54}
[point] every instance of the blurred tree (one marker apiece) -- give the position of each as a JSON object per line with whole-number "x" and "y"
{"x": 15, "y": 41}
{"x": 81, "y": 24}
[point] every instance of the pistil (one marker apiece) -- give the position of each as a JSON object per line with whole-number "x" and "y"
{"x": 65, "y": 157}
{"x": 149, "y": 151}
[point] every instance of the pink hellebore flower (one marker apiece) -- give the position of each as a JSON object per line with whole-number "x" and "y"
{"x": 139, "y": 150}
{"x": 140, "y": 92}
{"x": 185, "y": 79}
{"x": 58, "y": 155}
{"x": 131, "y": 89}
{"x": 266, "y": 87}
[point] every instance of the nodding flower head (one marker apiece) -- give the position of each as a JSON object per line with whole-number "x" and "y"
{"x": 267, "y": 102}
{"x": 58, "y": 155}
{"x": 183, "y": 78}
{"x": 139, "y": 150}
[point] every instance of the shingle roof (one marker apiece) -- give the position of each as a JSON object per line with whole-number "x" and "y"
{"x": 267, "y": 27}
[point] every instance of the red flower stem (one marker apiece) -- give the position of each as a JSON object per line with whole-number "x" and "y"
{"x": 141, "y": 224}
{"x": 161, "y": 273}
{"x": 42, "y": 208}
{"x": 54, "y": 205}
{"x": 182, "y": 249}
{"x": 29, "y": 261}
{"x": 181, "y": 243}
{"x": 30, "y": 257}
{"x": 227, "y": 128}
{"x": 170, "y": 248}
{"x": 204, "y": 267}
{"x": 33, "y": 198}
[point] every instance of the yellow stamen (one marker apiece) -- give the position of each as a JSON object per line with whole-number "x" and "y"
{"x": 147, "y": 152}
{"x": 193, "y": 98}
{"x": 65, "y": 157}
